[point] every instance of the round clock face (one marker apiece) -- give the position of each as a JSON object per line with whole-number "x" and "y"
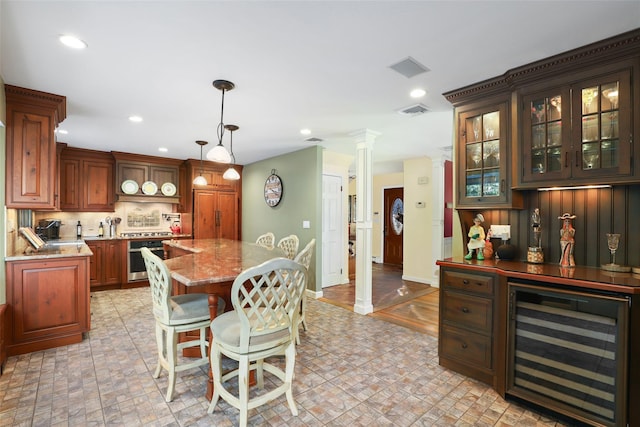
{"x": 272, "y": 190}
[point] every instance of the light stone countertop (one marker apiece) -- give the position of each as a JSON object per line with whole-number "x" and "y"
{"x": 58, "y": 249}
{"x": 215, "y": 260}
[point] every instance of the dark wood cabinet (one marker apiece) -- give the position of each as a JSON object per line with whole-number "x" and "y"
{"x": 106, "y": 266}
{"x": 484, "y": 150}
{"x": 48, "y": 303}
{"x": 31, "y": 160}
{"x": 581, "y": 130}
{"x": 468, "y": 325}
{"x": 86, "y": 181}
{"x": 540, "y": 333}
{"x": 140, "y": 169}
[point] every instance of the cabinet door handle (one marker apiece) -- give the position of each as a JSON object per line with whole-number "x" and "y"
{"x": 465, "y": 310}
{"x": 577, "y": 158}
{"x": 566, "y": 159}
{"x": 217, "y": 218}
{"x": 502, "y": 186}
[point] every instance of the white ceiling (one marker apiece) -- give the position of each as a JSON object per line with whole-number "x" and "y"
{"x": 320, "y": 65}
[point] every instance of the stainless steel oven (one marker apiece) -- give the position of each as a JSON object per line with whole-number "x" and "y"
{"x": 136, "y": 269}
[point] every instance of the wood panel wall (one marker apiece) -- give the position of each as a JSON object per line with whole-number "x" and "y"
{"x": 598, "y": 211}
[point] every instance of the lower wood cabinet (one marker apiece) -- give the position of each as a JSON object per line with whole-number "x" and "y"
{"x": 107, "y": 268}
{"x": 48, "y": 303}
{"x": 468, "y": 338}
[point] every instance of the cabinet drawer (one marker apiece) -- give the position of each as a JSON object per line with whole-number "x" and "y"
{"x": 469, "y": 282}
{"x": 468, "y": 347}
{"x": 467, "y": 311}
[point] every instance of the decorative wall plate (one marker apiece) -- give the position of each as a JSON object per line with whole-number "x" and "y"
{"x": 129, "y": 187}
{"x": 168, "y": 189}
{"x": 149, "y": 188}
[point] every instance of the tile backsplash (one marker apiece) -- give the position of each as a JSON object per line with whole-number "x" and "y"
{"x": 133, "y": 215}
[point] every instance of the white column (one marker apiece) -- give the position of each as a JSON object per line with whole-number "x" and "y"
{"x": 364, "y": 194}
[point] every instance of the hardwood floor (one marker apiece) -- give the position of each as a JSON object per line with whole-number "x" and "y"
{"x": 409, "y": 304}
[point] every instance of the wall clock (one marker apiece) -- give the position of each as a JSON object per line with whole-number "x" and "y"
{"x": 273, "y": 190}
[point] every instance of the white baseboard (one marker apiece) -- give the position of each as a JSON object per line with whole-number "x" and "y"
{"x": 314, "y": 294}
{"x": 417, "y": 279}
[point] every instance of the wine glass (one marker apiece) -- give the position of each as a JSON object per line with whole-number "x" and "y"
{"x": 612, "y": 241}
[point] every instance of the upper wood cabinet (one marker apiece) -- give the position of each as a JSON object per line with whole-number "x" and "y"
{"x": 581, "y": 130}
{"x": 139, "y": 168}
{"x": 86, "y": 181}
{"x": 569, "y": 120}
{"x": 483, "y": 148}
{"x": 31, "y": 161}
{"x": 212, "y": 172}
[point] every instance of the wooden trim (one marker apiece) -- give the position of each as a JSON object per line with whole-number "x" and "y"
{"x": 3, "y": 335}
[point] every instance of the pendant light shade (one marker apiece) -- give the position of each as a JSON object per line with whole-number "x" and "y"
{"x": 220, "y": 154}
{"x": 231, "y": 174}
{"x": 200, "y": 180}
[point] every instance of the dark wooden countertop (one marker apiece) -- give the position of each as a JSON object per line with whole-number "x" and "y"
{"x": 582, "y": 277}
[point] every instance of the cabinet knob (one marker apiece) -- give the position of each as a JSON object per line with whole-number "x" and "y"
{"x": 464, "y": 345}
{"x": 465, "y": 310}
{"x": 465, "y": 281}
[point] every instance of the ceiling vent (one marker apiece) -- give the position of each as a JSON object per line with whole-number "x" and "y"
{"x": 414, "y": 110}
{"x": 313, "y": 139}
{"x": 409, "y": 67}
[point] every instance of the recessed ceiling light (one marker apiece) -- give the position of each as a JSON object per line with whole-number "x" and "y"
{"x": 72, "y": 42}
{"x": 305, "y": 131}
{"x": 61, "y": 131}
{"x": 418, "y": 93}
{"x": 163, "y": 149}
{"x": 135, "y": 119}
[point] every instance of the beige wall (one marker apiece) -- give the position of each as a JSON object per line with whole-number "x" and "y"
{"x": 419, "y": 262}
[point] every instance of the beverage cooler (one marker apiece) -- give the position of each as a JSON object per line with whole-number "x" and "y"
{"x": 568, "y": 352}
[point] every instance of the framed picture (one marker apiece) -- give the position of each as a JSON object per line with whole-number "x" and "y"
{"x": 32, "y": 237}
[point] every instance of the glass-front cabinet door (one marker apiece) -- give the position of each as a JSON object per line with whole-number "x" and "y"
{"x": 546, "y": 130}
{"x": 579, "y": 131}
{"x": 601, "y": 131}
{"x": 482, "y": 135}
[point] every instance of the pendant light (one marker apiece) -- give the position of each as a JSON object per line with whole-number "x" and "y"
{"x": 200, "y": 180}
{"x": 231, "y": 173}
{"x": 220, "y": 154}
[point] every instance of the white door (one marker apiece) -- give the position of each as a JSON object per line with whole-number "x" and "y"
{"x": 333, "y": 248}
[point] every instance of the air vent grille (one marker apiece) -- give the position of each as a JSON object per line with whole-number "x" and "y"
{"x": 414, "y": 110}
{"x": 313, "y": 139}
{"x": 409, "y": 67}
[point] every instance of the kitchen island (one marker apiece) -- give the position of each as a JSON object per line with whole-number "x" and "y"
{"x": 47, "y": 297}
{"x": 562, "y": 339}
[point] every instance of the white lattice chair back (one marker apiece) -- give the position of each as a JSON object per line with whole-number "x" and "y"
{"x": 266, "y": 240}
{"x": 265, "y": 298}
{"x": 160, "y": 283}
{"x": 305, "y": 255}
{"x": 290, "y": 245}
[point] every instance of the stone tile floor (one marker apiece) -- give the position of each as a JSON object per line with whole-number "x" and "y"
{"x": 351, "y": 370}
